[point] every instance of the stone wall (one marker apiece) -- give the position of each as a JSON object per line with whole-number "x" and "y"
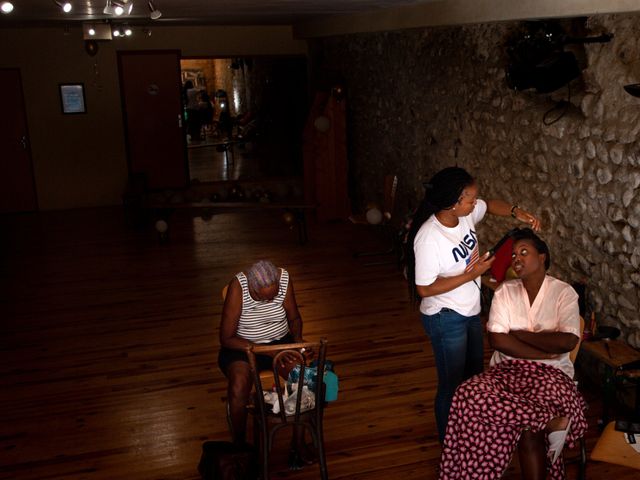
{"x": 420, "y": 100}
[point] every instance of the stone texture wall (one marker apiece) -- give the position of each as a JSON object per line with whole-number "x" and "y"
{"x": 420, "y": 100}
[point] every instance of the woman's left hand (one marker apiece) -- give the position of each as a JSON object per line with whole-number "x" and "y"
{"x": 528, "y": 218}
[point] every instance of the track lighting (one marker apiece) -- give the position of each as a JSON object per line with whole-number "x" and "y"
{"x": 121, "y": 7}
{"x": 65, "y": 5}
{"x": 121, "y": 31}
{"x": 155, "y": 13}
{"x": 6, "y": 7}
{"x": 108, "y": 8}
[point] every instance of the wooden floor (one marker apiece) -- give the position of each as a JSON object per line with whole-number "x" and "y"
{"x": 109, "y": 341}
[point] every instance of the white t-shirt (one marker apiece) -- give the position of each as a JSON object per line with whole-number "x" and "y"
{"x": 555, "y": 309}
{"x": 445, "y": 252}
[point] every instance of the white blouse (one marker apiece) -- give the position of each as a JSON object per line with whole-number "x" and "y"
{"x": 554, "y": 309}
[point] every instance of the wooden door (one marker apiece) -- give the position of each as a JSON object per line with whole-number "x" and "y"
{"x": 17, "y": 188}
{"x": 152, "y": 107}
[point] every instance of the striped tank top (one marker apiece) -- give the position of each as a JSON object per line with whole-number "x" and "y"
{"x": 260, "y": 321}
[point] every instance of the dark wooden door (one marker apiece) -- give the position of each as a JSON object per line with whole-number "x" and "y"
{"x": 17, "y": 189}
{"x": 152, "y": 106}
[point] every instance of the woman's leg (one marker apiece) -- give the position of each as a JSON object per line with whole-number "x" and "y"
{"x": 532, "y": 450}
{"x": 532, "y": 455}
{"x": 448, "y": 333}
{"x": 238, "y": 393}
{"x": 475, "y": 347}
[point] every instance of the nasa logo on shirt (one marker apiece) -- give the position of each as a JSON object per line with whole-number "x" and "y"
{"x": 468, "y": 244}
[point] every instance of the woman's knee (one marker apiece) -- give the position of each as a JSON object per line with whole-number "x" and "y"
{"x": 239, "y": 382}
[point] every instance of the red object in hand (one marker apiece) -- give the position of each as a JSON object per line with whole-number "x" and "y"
{"x": 502, "y": 262}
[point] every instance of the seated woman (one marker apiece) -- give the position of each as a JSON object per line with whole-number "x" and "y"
{"x": 260, "y": 308}
{"x": 528, "y": 397}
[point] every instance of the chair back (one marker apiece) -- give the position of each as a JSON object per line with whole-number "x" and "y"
{"x": 278, "y": 351}
{"x": 574, "y": 352}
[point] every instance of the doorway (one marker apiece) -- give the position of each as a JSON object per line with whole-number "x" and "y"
{"x": 149, "y": 82}
{"x": 244, "y": 117}
{"x": 17, "y": 188}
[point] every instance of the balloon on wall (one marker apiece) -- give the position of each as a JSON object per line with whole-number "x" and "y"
{"x": 374, "y": 216}
{"x": 322, "y": 124}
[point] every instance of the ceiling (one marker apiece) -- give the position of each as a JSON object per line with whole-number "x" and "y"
{"x": 314, "y": 18}
{"x": 202, "y": 12}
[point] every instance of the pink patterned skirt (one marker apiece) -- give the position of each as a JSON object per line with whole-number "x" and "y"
{"x": 490, "y": 411}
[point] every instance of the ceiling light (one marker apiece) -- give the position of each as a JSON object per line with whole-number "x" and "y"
{"x": 116, "y": 32}
{"x": 6, "y": 7}
{"x": 108, "y": 8}
{"x": 155, "y": 13}
{"x": 92, "y": 31}
{"x": 128, "y": 6}
{"x": 128, "y": 32}
{"x": 122, "y": 8}
{"x": 64, "y": 5}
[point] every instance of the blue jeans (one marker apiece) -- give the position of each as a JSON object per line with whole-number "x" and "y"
{"x": 457, "y": 347}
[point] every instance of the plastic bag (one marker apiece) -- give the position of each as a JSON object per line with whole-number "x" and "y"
{"x": 310, "y": 373}
{"x": 307, "y": 402}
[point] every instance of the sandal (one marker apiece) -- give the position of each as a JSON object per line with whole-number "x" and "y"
{"x": 556, "y": 442}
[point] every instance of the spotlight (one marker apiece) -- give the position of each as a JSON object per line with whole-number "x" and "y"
{"x": 128, "y": 32}
{"x": 121, "y": 7}
{"x": 92, "y": 31}
{"x": 64, "y": 5}
{"x": 6, "y": 7}
{"x": 108, "y": 8}
{"x": 155, "y": 13}
{"x": 116, "y": 32}
{"x": 128, "y": 7}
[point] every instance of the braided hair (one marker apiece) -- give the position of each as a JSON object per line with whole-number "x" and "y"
{"x": 442, "y": 192}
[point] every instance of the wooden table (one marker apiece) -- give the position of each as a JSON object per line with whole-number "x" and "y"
{"x": 613, "y": 448}
{"x": 621, "y": 361}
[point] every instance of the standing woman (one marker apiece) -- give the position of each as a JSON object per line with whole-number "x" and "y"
{"x": 443, "y": 269}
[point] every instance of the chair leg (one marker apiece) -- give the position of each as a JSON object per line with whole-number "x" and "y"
{"x": 322, "y": 461}
{"x": 582, "y": 472}
{"x": 264, "y": 444}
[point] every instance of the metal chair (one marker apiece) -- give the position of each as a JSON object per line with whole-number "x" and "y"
{"x": 269, "y": 423}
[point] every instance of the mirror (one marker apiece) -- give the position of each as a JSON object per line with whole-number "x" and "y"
{"x": 244, "y": 117}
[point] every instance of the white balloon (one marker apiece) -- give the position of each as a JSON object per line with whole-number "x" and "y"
{"x": 161, "y": 226}
{"x": 322, "y": 124}
{"x": 374, "y": 216}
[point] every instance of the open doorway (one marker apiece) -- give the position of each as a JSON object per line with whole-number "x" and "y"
{"x": 244, "y": 117}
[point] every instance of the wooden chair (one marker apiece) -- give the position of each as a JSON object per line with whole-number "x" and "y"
{"x": 269, "y": 423}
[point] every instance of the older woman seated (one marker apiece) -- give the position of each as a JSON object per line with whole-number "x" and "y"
{"x": 260, "y": 308}
{"x": 528, "y": 397}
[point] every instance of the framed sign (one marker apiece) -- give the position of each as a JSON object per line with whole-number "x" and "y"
{"x": 72, "y": 98}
